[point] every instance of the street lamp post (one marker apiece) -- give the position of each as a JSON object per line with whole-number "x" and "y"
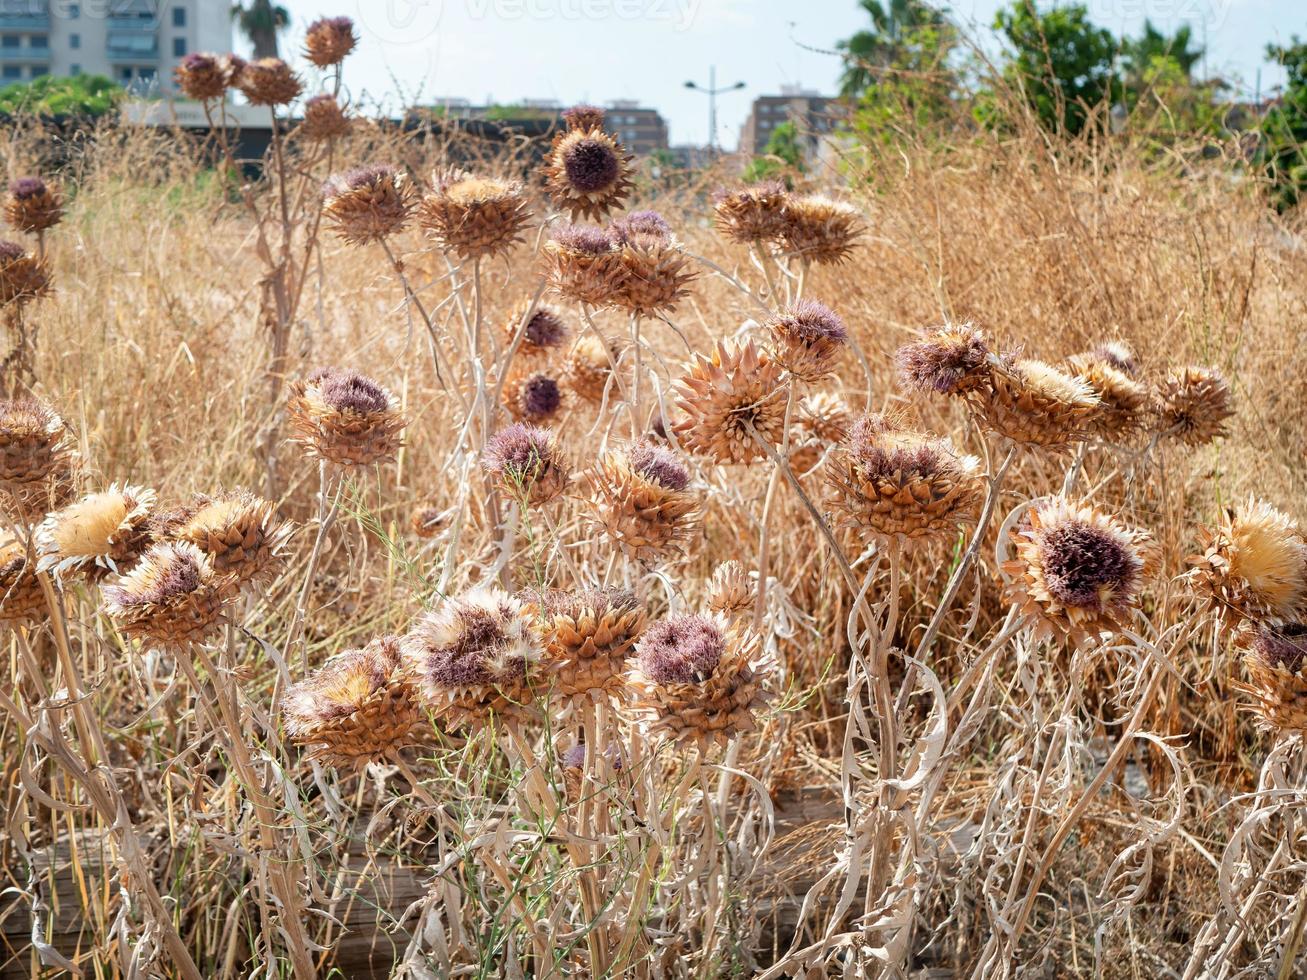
{"x": 712, "y": 91}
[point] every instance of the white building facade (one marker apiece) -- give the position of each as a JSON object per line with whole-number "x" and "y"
{"x": 134, "y": 42}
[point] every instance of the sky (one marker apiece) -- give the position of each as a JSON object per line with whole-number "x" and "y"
{"x": 505, "y": 51}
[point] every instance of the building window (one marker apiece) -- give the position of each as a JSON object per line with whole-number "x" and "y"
{"x": 125, "y": 74}
{"x": 39, "y": 70}
{"x": 74, "y": 11}
{"x": 11, "y": 71}
{"x": 146, "y": 73}
{"x": 10, "y": 41}
{"x": 40, "y": 41}
{"x": 179, "y": 47}
{"x": 74, "y": 69}
{"x": 178, "y": 16}
{"x": 74, "y": 41}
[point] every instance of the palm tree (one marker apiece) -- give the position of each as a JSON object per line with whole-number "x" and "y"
{"x": 892, "y": 25}
{"x": 1144, "y": 51}
{"x": 260, "y": 21}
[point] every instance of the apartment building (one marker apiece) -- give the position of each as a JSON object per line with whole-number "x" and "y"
{"x": 814, "y": 116}
{"x": 134, "y": 42}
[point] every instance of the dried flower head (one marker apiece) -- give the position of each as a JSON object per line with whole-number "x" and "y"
{"x": 1123, "y": 403}
{"x": 753, "y": 214}
{"x": 731, "y": 591}
{"x": 587, "y": 173}
{"x": 241, "y": 535}
{"x": 888, "y": 482}
{"x": 638, "y": 497}
{"x": 654, "y": 267}
{"x": 22, "y": 600}
{"x": 823, "y": 420}
{"x": 471, "y": 655}
{"x": 527, "y": 462}
{"x": 723, "y": 397}
{"x": 589, "y": 634}
{"x": 268, "y": 81}
{"x": 23, "y": 276}
{"x": 543, "y": 331}
{"x": 588, "y": 367}
{"x": 368, "y": 204}
{"x": 33, "y": 205}
{"x": 1275, "y": 663}
{"x": 474, "y": 216}
{"x": 1253, "y": 565}
{"x": 536, "y": 397}
{"x": 699, "y": 680}
{"x": 324, "y": 119}
{"x": 171, "y": 598}
{"x": 1116, "y": 354}
{"x": 584, "y": 264}
{"x": 584, "y": 117}
{"x": 35, "y": 459}
{"x": 1077, "y": 572}
{"x": 806, "y": 340}
{"x": 358, "y": 707}
{"x": 1035, "y": 405}
{"x": 952, "y": 361}
{"x": 818, "y": 229}
{"x": 101, "y": 533}
{"x": 203, "y": 77}
{"x": 428, "y": 520}
{"x": 328, "y": 40}
{"x": 345, "y": 418}
{"x": 1193, "y": 406}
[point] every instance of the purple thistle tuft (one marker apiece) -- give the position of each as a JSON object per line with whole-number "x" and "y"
{"x": 943, "y": 362}
{"x": 10, "y": 251}
{"x": 1282, "y": 646}
{"x": 199, "y": 61}
{"x": 179, "y": 577}
{"x": 358, "y": 178}
{"x": 642, "y": 224}
{"x": 545, "y": 329}
{"x": 584, "y": 238}
{"x": 540, "y": 396}
{"x": 660, "y": 466}
{"x": 519, "y": 452}
{"x": 681, "y": 650}
{"x": 590, "y": 115}
{"x": 591, "y": 165}
{"x": 1079, "y": 561}
{"x": 349, "y": 391}
{"x": 811, "y": 322}
{"x": 340, "y": 24}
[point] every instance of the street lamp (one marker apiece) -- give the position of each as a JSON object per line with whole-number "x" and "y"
{"x": 712, "y": 91}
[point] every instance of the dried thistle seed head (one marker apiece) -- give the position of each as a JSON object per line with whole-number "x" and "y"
{"x": 1276, "y": 662}
{"x": 474, "y": 216}
{"x": 36, "y": 460}
{"x": 1035, "y": 405}
{"x": 329, "y": 40}
{"x": 241, "y": 535}
{"x": 324, "y": 119}
{"x": 23, "y": 276}
{"x": 202, "y": 77}
{"x": 345, "y": 418}
{"x": 725, "y": 396}
{"x": 587, "y": 173}
{"x": 544, "y": 330}
{"x": 818, "y": 229}
{"x": 1193, "y": 406}
{"x": 1253, "y": 565}
{"x": 171, "y": 598}
{"x": 584, "y": 264}
{"x": 527, "y": 462}
{"x": 1123, "y": 403}
{"x": 807, "y": 339}
{"x": 589, "y": 634}
{"x": 952, "y": 361}
{"x": 823, "y": 420}
{"x": 654, "y": 269}
{"x": 470, "y": 657}
{"x": 753, "y": 214}
{"x": 1077, "y": 572}
{"x": 1114, "y": 353}
{"x": 584, "y": 117}
{"x": 698, "y": 680}
{"x": 638, "y": 497}
{"x": 268, "y": 81}
{"x": 428, "y": 520}
{"x": 356, "y": 708}
{"x": 588, "y": 367}
{"x": 368, "y": 204}
{"x": 33, "y": 205}
{"x": 731, "y": 591}
{"x": 22, "y": 600}
{"x": 535, "y": 397}
{"x": 888, "y": 483}
{"x": 101, "y": 533}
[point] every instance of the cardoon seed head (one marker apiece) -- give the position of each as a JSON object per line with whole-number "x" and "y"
{"x": 591, "y": 164}
{"x": 324, "y": 119}
{"x": 584, "y": 117}
{"x": 202, "y": 77}
{"x": 349, "y": 391}
{"x": 28, "y": 187}
{"x": 526, "y": 459}
{"x": 950, "y": 362}
{"x": 535, "y": 398}
{"x": 1081, "y": 561}
{"x": 268, "y": 82}
{"x": 367, "y": 204}
{"x": 1277, "y": 667}
{"x": 545, "y": 330}
{"x": 1118, "y": 355}
{"x": 345, "y": 418}
{"x": 328, "y": 41}
{"x": 582, "y": 238}
{"x": 807, "y": 338}
{"x": 751, "y": 214}
{"x": 638, "y": 223}
{"x": 587, "y": 172}
{"x": 10, "y": 251}
{"x": 1281, "y": 647}
{"x": 681, "y": 649}
{"x": 170, "y": 598}
{"x": 1253, "y": 565}
{"x": 659, "y": 465}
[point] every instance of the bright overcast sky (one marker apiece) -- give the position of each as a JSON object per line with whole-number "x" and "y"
{"x": 596, "y": 50}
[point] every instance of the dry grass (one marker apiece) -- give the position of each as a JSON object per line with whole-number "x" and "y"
{"x": 156, "y": 349}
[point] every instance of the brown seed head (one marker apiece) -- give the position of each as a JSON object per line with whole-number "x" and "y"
{"x": 753, "y": 214}
{"x": 1276, "y": 663}
{"x": 171, "y": 598}
{"x": 428, "y": 520}
{"x": 368, "y": 204}
{"x": 1123, "y": 403}
{"x": 36, "y": 459}
{"x": 345, "y": 418}
{"x": 22, "y": 600}
{"x": 269, "y": 82}
{"x": 807, "y": 339}
{"x": 544, "y": 330}
{"x": 587, "y": 173}
{"x": 533, "y": 397}
{"x": 202, "y": 77}
{"x": 589, "y": 634}
{"x": 654, "y": 267}
{"x": 638, "y": 497}
{"x": 722, "y": 397}
{"x": 527, "y": 462}
{"x": 324, "y": 119}
{"x": 328, "y": 41}
{"x": 101, "y": 533}
{"x": 818, "y": 229}
{"x": 1193, "y": 406}
{"x": 474, "y": 216}
{"x": 731, "y": 591}
{"x": 240, "y": 534}
{"x": 23, "y": 276}
{"x": 1253, "y": 565}
{"x": 32, "y": 205}
{"x": 584, "y": 264}
{"x": 588, "y": 367}
{"x": 584, "y": 117}
{"x": 1034, "y": 405}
